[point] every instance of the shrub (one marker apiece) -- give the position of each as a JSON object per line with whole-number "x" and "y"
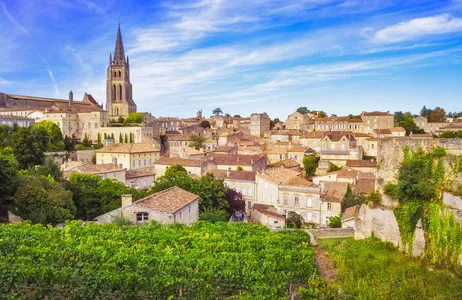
{"x": 121, "y": 220}
{"x": 294, "y": 220}
{"x": 214, "y": 215}
{"x": 335, "y": 222}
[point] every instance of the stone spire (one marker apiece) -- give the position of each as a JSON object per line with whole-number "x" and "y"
{"x": 119, "y": 53}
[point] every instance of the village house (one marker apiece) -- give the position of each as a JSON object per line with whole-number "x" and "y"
{"x": 236, "y": 161}
{"x": 338, "y": 124}
{"x": 377, "y": 120}
{"x": 298, "y": 153}
{"x": 11, "y": 120}
{"x": 299, "y": 121}
{"x": 129, "y": 156}
{"x": 286, "y": 135}
{"x": 287, "y": 164}
{"x": 139, "y": 178}
{"x": 276, "y": 154}
{"x": 338, "y": 147}
{"x": 168, "y": 206}
{"x": 349, "y": 217}
{"x": 242, "y": 182}
{"x": 287, "y": 191}
{"x": 194, "y": 167}
{"x": 259, "y": 124}
{"x": 366, "y": 166}
{"x": 331, "y": 205}
{"x": 227, "y": 138}
{"x": 312, "y": 140}
{"x": 105, "y": 171}
{"x": 267, "y": 215}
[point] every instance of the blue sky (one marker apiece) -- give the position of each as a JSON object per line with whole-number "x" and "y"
{"x": 244, "y": 56}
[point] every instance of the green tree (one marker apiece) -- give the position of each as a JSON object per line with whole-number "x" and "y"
{"x": 217, "y": 111}
{"x": 41, "y": 201}
{"x": 29, "y": 145}
{"x": 85, "y": 141}
{"x": 310, "y": 164}
{"x": 121, "y": 138}
{"x": 424, "y": 111}
{"x": 227, "y": 115}
{"x": 126, "y": 139}
{"x": 131, "y": 137}
{"x": 214, "y": 215}
{"x": 99, "y": 138}
{"x": 48, "y": 169}
{"x": 351, "y": 199}
{"x": 335, "y": 222}
{"x": 409, "y": 125}
{"x": 134, "y": 118}
{"x": 303, "y": 110}
{"x": 94, "y": 196}
{"x": 197, "y": 141}
{"x": 6, "y": 133}
{"x": 112, "y": 135}
{"x": 237, "y": 116}
{"x": 8, "y": 177}
{"x": 55, "y": 137}
{"x": 105, "y": 135}
{"x": 294, "y": 220}
{"x": 205, "y": 124}
{"x": 375, "y": 198}
{"x": 175, "y": 175}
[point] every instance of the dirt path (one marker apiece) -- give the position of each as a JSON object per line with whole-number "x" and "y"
{"x": 325, "y": 264}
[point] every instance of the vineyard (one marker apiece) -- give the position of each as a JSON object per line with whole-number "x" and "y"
{"x": 204, "y": 261}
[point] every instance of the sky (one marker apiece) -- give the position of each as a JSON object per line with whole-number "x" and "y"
{"x": 244, "y": 56}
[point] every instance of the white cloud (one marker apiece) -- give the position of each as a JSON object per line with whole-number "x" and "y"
{"x": 3, "y": 81}
{"x": 55, "y": 85}
{"x": 13, "y": 21}
{"x": 417, "y": 28}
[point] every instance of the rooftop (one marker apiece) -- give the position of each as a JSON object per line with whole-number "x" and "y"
{"x": 284, "y": 176}
{"x": 236, "y": 159}
{"x": 185, "y": 162}
{"x": 129, "y": 148}
{"x": 170, "y": 200}
{"x": 361, "y": 164}
{"x": 350, "y": 213}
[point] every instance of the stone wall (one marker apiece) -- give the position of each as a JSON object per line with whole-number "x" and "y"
{"x": 390, "y": 152}
{"x": 382, "y": 224}
{"x": 324, "y": 233}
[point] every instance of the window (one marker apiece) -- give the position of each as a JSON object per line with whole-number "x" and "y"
{"x": 238, "y": 189}
{"x": 243, "y": 191}
{"x": 249, "y": 204}
{"x": 133, "y": 164}
{"x": 285, "y": 199}
{"x": 329, "y": 206}
{"x": 139, "y": 163}
{"x": 249, "y": 192}
{"x": 142, "y": 216}
{"x": 144, "y": 162}
{"x": 262, "y": 198}
{"x": 266, "y": 185}
{"x": 296, "y": 201}
{"x": 309, "y": 202}
{"x": 150, "y": 162}
{"x": 309, "y": 216}
{"x": 89, "y": 125}
{"x": 96, "y": 125}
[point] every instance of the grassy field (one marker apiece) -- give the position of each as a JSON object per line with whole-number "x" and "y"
{"x": 370, "y": 269}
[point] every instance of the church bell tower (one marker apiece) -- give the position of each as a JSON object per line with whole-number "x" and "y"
{"x": 119, "y": 101}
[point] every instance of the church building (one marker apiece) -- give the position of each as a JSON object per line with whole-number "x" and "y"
{"x": 119, "y": 101}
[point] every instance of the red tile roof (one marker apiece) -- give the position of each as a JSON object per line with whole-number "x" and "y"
{"x": 170, "y": 200}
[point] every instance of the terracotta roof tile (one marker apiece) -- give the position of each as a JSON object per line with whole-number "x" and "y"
{"x": 129, "y": 148}
{"x": 268, "y": 210}
{"x": 170, "y": 200}
{"x": 361, "y": 164}
{"x": 376, "y": 114}
{"x": 242, "y": 175}
{"x": 333, "y": 196}
{"x": 185, "y": 162}
{"x": 129, "y": 174}
{"x": 350, "y": 212}
{"x": 286, "y": 163}
{"x": 236, "y": 159}
{"x": 96, "y": 169}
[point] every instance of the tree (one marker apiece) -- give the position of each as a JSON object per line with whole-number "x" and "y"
{"x": 424, "y": 111}
{"x": 335, "y": 222}
{"x": 94, "y": 196}
{"x": 217, "y": 111}
{"x": 175, "y": 175}
{"x": 310, "y": 164}
{"x": 227, "y": 115}
{"x": 105, "y": 135}
{"x": 121, "y": 138}
{"x": 409, "y": 125}
{"x": 8, "y": 177}
{"x": 49, "y": 169}
{"x": 29, "y": 145}
{"x": 205, "y": 124}
{"x": 133, "y": 118}
{"x": 237, "y": 116}
{"x": 294, "y": 220}
{"x": 126, "y": 139}
{"x": 99, "y": 138}
{"x": 399, "y": 116}
{"x": 41, "y": 201}
{"x": 322, "y": 114}
{"x": 213, "y": 215}
{"x": 131, "y": 137}
{"x": 415, "y": 179}
{"x": 303, "y": 110}
{"x": 85, "y": 141}
{"x": 197, "y": 141}
{"x": 5, "y": 135}
{"x": 55, "y": 137}
{"x": 375, "y": 198}
{"x": 112, "y": 135}
{"x": 437, "y": 115}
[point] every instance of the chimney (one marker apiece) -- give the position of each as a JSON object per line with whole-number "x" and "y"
{"x": 114, "y": 160}
{"x": 71, "y": 98}
{"x": 126, "y": 200}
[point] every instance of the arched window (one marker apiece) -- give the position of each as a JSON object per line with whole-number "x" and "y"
{"x": 113, "y": 92}
{"x": 117, "y": 111}
{"x": 115, "y": 74}
{"x": 120, "y": 87}
{"x": 120, "y": 74}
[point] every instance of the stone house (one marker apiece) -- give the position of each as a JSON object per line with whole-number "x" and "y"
{"x": 287, "y": 164}
{"x": 234, "y": 161}
{"x": 276, "y": 154}
{"x": 298, "y": 153}
{"x": 105, "y": 171}
{"x": 168, "y": 206}
{"x": 338, "y": 124}
{"x": 140, "y": 178}
{"x": 338, "y": 147}
{"x": 331, "y": 205}
{"x": 267, "y": 215}
{"x": 366, "y": 166}
{"x": 242, "y": 182}
{"x": 287, "y": 191}
{"x": 349, "y": 217}
{"x": 377, "y": 120}
{"x": 129, "y": 156}
{"x": 259, "y": 124}
{"x": 312, "y": 140}
{"x": 197, "y": 167}
{"x": 298, "y": 121}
